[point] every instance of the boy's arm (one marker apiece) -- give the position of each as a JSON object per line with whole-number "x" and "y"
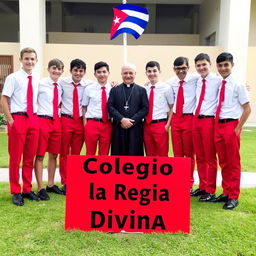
{"x": 84, "y": 110}
{"x": 169, "y": 117}
{"x": 244, "y": 117}
{"x": 6, "y": 109}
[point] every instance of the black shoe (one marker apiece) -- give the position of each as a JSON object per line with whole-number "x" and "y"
{"x": 198, "y": 192}
{"x": 17, "y": 199}
{"x": 220, "y": 198}
{"x": 206, "y": 197}
{"x": 64, "y": 188}
{"x": 31, "y": 196}
{"x": 191, "y": 190}
{"x": 42, "y": 194}
{"x": 54, "y": 189}
{"x": 230, "y": 204}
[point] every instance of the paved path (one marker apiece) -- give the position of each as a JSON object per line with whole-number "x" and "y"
{"x": 248, "y": 179}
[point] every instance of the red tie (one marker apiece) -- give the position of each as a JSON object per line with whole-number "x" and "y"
{"x": 180, "y": 100}
{"x": 150, "y": 105}
{"x": 104, "y": 104}
{"x": 221, "y": 99}
{"x": 30, "y": 110}
{"x": 200, "y": 99}
{"x": 76, "y": 113}
{"x": 55, "y": 101}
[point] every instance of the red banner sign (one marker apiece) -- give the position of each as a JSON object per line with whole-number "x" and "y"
{"x": 128, "y": 194}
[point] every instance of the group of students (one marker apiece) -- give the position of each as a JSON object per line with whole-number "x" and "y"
{"x": 205, "y": 111}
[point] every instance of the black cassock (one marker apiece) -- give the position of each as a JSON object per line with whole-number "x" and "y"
{"x": 130, "y": 102}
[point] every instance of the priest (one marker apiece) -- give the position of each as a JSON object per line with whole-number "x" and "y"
{"x": 128, "y": 106}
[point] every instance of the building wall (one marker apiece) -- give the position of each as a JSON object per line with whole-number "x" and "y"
{"x": 209, "y": 15}
{"x": 145, "y": 39}
{"x": 252, "y": 33}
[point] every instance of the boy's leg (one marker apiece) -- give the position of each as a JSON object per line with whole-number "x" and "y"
{"x": 105, "y": 138}
{"x": 29, "y": 152}
{"x": 66, "y": 136}
{"x": 16, "y": 140}
{"x": 77, "y": 137}
{"x": 202, "y": 166}
{"x": 53, "y": 148}
{"x": 176, "y": 133}
{"x": 44, "y": 134}
{"x": 232, "y": 143}
{"x": 150, "y": 146}
{"x": 222, "y": 155}
{"x": 92, "y": 132}
{"x": 161, "y": 139}
{"x": 51, "y": 167}
{"x": 39, "y": 171}
{"x": 188, "y": 144}
{"x": 207, "y": 131}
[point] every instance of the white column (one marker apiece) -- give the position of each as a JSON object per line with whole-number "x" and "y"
{"x": 33, "y": 28}
{"x": 234, "y": 32}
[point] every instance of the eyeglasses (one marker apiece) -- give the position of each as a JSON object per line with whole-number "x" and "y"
{"x": 180, "y": 69}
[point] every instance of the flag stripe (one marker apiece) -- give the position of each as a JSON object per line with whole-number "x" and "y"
{"x": 126, "y": 30}
{"x": 137, "y": 14}
{"x": 133, "y": 26}
{"x": 132, "y": 7}
{"x": 137, "y": 21}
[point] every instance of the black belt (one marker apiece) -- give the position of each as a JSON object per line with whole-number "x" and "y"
{"x": 69, "y": 116}
{"x": 187, "y": 114}
{"x": 226, "y": 120}
{"x": 158, "y": 120}
{"x": 203, "y": 116}
{"x": 97, "y": 119}
{"x": 46, "y": 117}
{"x": 21, "y": 113}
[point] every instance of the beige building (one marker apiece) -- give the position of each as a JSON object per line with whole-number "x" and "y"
{"x": 68, "y": 29}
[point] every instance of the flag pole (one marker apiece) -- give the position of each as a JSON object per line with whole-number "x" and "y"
{"x": 125, "y": 43}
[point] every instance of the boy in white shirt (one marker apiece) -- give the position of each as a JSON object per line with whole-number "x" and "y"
{"x": 97, "y": 125}
{"x": 157, "y": 121}
{"x": 233, "y": 109}
{"x": 72, "y": 137}
{"x": 19, "y": 101}
{"x": 49, "y": 98}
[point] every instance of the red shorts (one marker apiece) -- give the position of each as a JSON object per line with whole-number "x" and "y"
{"x": 49, "y": 136}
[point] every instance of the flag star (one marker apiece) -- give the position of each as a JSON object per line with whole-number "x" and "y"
{"x": 117, "y": 20}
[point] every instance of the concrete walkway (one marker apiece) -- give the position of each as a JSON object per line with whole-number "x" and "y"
{"x": 248, "y": 179}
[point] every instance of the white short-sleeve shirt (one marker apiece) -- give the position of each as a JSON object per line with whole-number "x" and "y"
{"x": 45, "y": 96}
{"x": 92, "y": 99}
{"x": 15, "y": 87}
{"x": 67, "y": 94}
{"x": 210, "y": 100}
{"x": 163, "y": 97}
{"x": 189, "y": 89}
{"x": 236, "y": 95}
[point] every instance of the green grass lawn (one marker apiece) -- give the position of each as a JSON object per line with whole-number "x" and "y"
{"x": 248, "y": 150}
{"x": 37, "y": 229}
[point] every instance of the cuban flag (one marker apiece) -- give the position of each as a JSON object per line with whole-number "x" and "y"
{"x": 129, "y": 18}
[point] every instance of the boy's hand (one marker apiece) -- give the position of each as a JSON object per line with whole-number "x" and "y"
{"x": 114, "y": 84}
{"x": 10, "y": 121}
{"x": 237, "y": 130}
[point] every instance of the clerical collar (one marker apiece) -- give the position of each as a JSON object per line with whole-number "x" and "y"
{"x": 129, "y": 85}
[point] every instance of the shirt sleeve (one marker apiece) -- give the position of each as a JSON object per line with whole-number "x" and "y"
{"x": 169, "y": 95}
{"x": 86, "y": 99}
{"x": 243, "y": 96}
{"x": 9, "y": 86}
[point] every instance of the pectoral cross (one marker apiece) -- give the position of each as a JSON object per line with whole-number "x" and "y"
{"x": 126, "y": 107}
